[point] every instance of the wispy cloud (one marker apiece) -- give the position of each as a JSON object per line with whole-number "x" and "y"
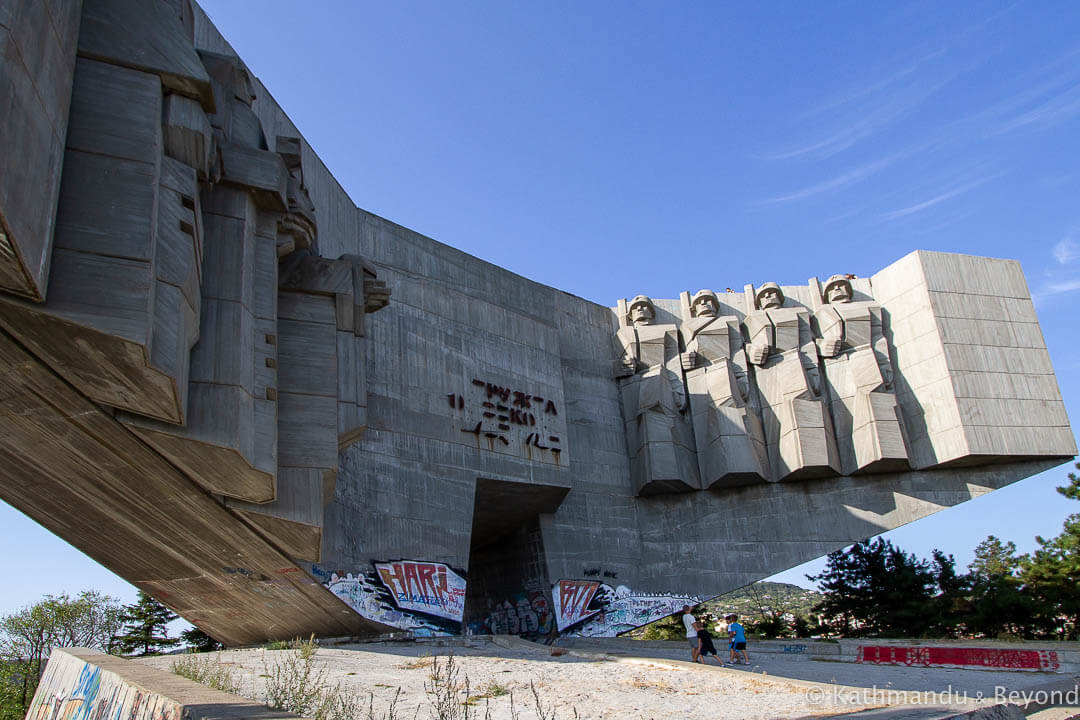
{"x": 1049, "y": 113}
{"x": 1062, "y": 281}
{"x": 1050, "y": 95}
{"x": 1052, "y": 289}
{"x": 863, "y": 113}
{"x": 1067, "y": 250}
{"x": 852, "y": 95}
{"x": 851, "y": 177}
{"x": 954, "y": 189}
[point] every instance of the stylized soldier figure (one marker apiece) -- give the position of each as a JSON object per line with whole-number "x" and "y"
{"x": 728, "y": 433}
{"x": 658, "y": 435}
{"x": 858, "y": 375}
{"x": 798, "y": 430}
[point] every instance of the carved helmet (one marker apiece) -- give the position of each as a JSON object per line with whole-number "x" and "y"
{"x": 701, "y": 294}
{"x": 642, "y": 300}
{"x": 835, "y": 280}
{"x": 766, "y": 287}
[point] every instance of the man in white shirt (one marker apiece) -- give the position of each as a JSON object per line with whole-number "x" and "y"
{"x": 691, "y": 633}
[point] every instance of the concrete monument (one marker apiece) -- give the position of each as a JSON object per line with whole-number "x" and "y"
{"x": 280, "y": 414}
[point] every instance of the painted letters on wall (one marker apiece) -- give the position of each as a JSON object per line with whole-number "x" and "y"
{"x": 431, "y": 588}
{"x": 423, "y": 597}
{"x": 588, "y": 608}
{"x": 524, "y": 422}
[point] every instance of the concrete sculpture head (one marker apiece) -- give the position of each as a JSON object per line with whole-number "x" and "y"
{"x": 705, "y": 304}
{"x": 838, "y": 289}
{"x": 642, "y": 311}
{"x": 769, "y": 296}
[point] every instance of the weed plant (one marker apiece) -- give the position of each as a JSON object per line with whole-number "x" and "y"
{"x": 207, "y": 671}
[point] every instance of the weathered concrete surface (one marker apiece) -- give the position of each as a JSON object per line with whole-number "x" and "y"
{"x": 37, "y": 62}
{"x": 82, "y": 683}
{"x": 281, "y": 414}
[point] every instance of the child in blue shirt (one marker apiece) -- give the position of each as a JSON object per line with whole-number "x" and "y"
{"x": 737, "y": 637}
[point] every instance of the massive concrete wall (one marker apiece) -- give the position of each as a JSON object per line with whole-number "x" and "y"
{"x": 300, "y": 417}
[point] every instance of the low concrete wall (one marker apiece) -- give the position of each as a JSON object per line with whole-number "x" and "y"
{"x": 1059, "y": 657}
{"x": 82, "y": 684}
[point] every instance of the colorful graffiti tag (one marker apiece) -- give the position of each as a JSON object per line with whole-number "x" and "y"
{"x": 973, "y": 657}
{"x": 431, "y": 588}
{"x": 73, "y": 689}
{"x": 392, "y": 600}
{"x": 588, "y": 608}
{"x": 574, "y": 601}
{"x": 526, "y": 613}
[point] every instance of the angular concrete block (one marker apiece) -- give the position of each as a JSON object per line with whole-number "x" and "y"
{"x": 33, "y": 122}
{"x": 146, "y": 37}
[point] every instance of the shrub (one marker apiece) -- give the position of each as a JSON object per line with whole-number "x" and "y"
{"x": 207, "y": 671}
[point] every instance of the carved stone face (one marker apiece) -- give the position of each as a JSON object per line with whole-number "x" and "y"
{"x": 704, "y": 306}
{"x": 839, "y": 292}
{"x": 642, "y": 313}
{"x": 770, "y": 298}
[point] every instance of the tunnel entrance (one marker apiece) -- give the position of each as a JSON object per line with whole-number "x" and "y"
{"x": 508, "y": 590}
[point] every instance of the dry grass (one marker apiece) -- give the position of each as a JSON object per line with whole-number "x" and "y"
{"x": 424, "y": 661}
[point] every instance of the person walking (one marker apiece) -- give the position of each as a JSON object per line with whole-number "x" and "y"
{"x": 691, "y": 632}
{"x": 705, "y": 645}
{"x": 737, "y": 635}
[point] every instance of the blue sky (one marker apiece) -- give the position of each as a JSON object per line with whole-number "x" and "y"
{"x": 616, "y": 148}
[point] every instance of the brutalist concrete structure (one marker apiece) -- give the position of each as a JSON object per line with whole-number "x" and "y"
{"x": 280, "y": 414}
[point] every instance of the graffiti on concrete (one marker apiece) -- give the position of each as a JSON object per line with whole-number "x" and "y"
{"x": 973, "y": 657}
{"x": 427, "y": 587}
{"x": 406, "y": 595}
{"x": 587, "y": 608}
{"x": 795, "y": 649}
{"x": 574, "y": 601}
{"x": 73, "y": 689}
{"x": 526, "y": 613}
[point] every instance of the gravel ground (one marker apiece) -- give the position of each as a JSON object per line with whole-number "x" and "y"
{"x": 618, "y": 685}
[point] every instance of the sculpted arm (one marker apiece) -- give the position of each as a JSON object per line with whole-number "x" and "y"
{"x": 690, "y": 356}
{"x": 738, "y": 359}
{"x": 880, "y": 345}
{"x": 760, "y": 336}
{"x": 673, "y": 365}
{"x": 625, "y": 353}
{"x": 828, "y": 331}
{"x": 808, "y": 355}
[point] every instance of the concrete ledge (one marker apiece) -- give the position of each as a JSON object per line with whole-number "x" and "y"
{"x": 79, "y": 683}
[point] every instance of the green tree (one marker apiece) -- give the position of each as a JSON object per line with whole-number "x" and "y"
{"x": 145, "y": 627}
{"x": 1051, "y": 575}
{"x": 28, "y": 636}
{"x": 998, "y": 601}
{"x": 875, "y": 588}
{"x": 950, "y": 606}
{"x": 199, "y": 641}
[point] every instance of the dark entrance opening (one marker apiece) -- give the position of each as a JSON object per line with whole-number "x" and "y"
{"x": 508, "y": 590}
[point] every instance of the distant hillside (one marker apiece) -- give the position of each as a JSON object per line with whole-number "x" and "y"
{"x": 749, "y": 601}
